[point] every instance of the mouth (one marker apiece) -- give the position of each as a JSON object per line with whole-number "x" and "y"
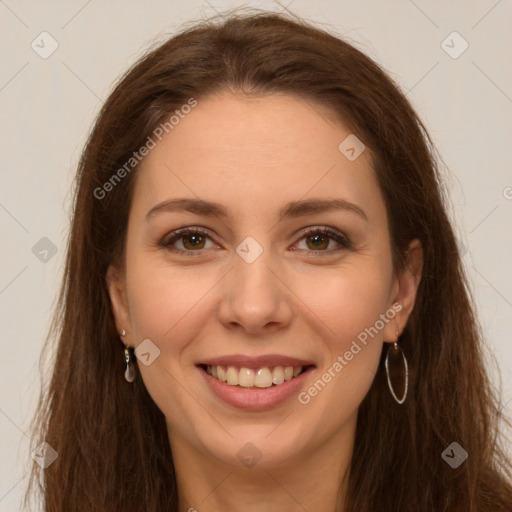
{"x": 255, "y": 383}
{"x": 255, "y": 378}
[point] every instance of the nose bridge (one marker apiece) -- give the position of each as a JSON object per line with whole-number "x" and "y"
{"x": 254, "y": 297}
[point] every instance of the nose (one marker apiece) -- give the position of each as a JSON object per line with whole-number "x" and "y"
{"x": 256, "y": 298}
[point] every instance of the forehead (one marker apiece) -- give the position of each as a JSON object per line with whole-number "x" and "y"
{"x": 254, "y": 154}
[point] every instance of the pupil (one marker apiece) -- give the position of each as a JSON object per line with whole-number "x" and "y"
{"x": 317, "y": 240}
{"x": 193, "y": 239}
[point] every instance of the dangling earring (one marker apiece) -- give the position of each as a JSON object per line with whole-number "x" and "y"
{"x": 129, "y": 372}
{"x": 399, "y": 367}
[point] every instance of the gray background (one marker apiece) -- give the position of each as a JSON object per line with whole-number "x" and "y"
{"x": 48, "y": 106}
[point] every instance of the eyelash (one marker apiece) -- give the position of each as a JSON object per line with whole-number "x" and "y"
{"x": 180, "y": 233}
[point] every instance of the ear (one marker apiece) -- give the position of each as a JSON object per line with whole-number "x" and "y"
{"x": 405, "y": 288}
{"x": 117, "y": 290}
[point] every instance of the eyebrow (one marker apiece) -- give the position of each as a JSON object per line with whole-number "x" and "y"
{"x": 290, "y": 210}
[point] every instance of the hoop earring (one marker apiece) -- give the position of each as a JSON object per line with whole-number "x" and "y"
{"x": 129, "y": 372}
{"x": 395, "y": 371}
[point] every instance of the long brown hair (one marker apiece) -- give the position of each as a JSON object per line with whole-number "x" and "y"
{"x": 111, "y": 439}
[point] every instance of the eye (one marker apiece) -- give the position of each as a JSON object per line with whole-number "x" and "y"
{"x": 192, "y": 239}
{"x": 318, "y": 240}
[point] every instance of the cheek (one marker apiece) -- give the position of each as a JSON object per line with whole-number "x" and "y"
{"x": 351, "y": 310}
{"x": 161, "y": 297}
{"x": 164, "y": 307}
{"x": 347, "y": 300}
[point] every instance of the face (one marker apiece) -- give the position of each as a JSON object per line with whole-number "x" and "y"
{"x": 286, "y": 298}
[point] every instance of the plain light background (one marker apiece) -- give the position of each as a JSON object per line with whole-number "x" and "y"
{"x": 48, "y": 106}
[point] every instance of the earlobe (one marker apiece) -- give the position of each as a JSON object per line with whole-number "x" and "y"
{"x": 117, "y": 292}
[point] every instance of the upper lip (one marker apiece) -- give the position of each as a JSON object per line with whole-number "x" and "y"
{"x": 254, "y": 362}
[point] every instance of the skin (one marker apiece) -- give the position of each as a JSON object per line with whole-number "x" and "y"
{"x": 253, "y": 155}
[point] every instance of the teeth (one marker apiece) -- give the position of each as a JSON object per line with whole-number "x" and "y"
{"x": 248, "y": 378}
{"x": 232, "y": 376}
{"x": 278, "y": 375}
{"x": 221, "y": 374}
{"x": 263, "y": 378}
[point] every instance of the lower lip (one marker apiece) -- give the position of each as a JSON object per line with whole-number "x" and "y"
{"x": 256, "y": 399}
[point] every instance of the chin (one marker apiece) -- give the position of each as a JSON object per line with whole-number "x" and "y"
{"x": 259, "y": 447}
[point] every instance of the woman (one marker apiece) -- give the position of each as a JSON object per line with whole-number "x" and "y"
{"x": 264, "y": 306}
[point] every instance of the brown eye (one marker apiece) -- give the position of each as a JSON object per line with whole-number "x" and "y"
{"x": 193, "y": 241}
{"x": 320, "y": 239}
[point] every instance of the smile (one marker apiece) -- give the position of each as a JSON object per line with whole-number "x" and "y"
{"x": 264, "y": 377}
{"x": 255, "y": 383}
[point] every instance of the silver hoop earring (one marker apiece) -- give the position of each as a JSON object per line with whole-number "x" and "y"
{"x": 396, "y": 367}
{"x": 129, "y": 372}
{"x": 123, "y": 333}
